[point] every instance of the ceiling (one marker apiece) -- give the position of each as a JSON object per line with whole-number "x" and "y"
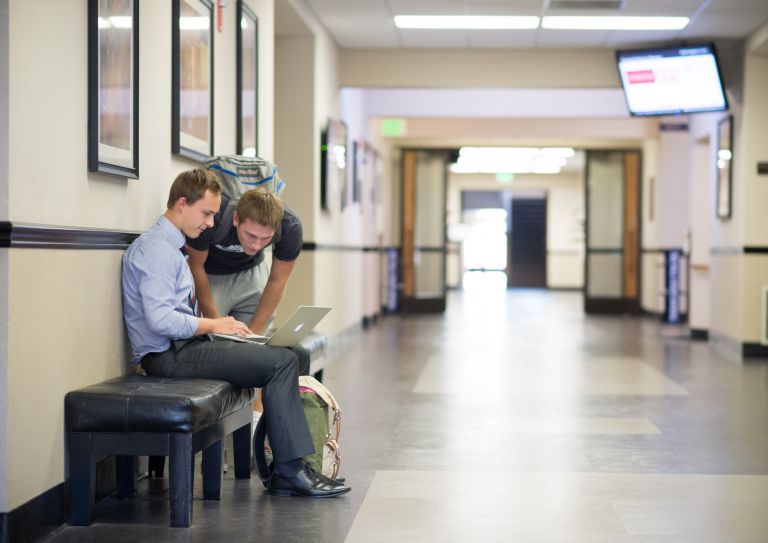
{"x": 363, "y": 24}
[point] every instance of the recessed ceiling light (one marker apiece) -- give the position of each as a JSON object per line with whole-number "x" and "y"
{"x": 470, "y": 22}
{"x": 614, "y": 23}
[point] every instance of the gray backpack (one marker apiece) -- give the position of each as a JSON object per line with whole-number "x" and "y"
{"x": 239, "y": 174}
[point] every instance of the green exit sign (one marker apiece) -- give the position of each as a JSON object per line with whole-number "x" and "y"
{"x": 392, "y": 127}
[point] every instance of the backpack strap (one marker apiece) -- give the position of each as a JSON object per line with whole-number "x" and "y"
{"x": 260, "y": 458}
{"x": 324, "y": 394}
{"x": 225, "y": 221}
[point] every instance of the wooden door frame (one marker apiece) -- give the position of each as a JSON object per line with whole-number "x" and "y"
{"x": 625, "y": 303}
{"x": 407, "y": 302}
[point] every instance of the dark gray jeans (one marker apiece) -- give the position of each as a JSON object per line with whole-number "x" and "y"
{"x": 247, "y": 365}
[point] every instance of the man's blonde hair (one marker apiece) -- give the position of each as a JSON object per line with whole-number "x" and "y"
{"x": 192, "y": 185}
{"x": 262, "y": 207}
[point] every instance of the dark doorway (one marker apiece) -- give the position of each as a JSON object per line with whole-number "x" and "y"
{"x": 526, "y": 233}
{"x": 527, "y": 262}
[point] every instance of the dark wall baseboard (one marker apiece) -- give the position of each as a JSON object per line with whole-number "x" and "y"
{"x": 370, "y": 320}
{"x": 566, "y": 289}
{"x": 37, "y": 518}
{"x": 699, "y": 334}
{"x": 611, "y": 306}
{"x": 754, "y": 350}
{"x": 45, "y": 513}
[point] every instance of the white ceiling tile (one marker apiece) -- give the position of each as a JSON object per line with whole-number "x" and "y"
{"x": 368, "y": 23}
{"x": 502, "y": 38}
{"x": 434, "y": 38}
{"x": 504, "y": 7}
{"x": 675, "y": 8}
{"x": 426, "y": 7}
{"x": 570, "y": 38}
{"x": 351, "y": 26}
{"x": 640, "y": 37}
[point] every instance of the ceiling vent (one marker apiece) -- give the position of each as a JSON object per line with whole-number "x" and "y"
{"x": 609, "y": 5}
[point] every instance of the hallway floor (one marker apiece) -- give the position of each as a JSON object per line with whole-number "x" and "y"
{"x": 512, "y": 418}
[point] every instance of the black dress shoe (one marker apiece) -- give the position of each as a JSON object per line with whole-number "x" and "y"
{"x": 307, "y": 483}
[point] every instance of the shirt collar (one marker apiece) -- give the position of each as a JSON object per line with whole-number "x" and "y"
{"x": 172, "y": 234}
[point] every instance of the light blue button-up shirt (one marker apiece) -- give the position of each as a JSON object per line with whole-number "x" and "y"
{"x": 158, "y": 290}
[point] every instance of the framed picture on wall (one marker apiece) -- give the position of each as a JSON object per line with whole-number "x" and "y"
{"x": 247, "y": 81}
{"x": 192, "y": 79}
{"x": 333, "y": 165}
{"x": 113, "y": 87}
{"x": 724, "y": 167}
{"x": 359, "y": 149}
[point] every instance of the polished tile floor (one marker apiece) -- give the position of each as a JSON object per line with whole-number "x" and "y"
{"x": 513, "y": 418}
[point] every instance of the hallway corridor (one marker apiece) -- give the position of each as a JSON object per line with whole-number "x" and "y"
{"x": 513, "y": 418}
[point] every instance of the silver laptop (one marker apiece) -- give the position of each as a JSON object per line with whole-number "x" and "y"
{"x": 296, "y": 328}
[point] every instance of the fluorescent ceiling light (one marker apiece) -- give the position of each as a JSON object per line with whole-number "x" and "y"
{"x": 471, "y": 22}
{"x": 511, "y": 159}
{"x": 614, "y": 23}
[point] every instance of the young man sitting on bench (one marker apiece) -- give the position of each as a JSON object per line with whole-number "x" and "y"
{"x": 170, "y": 338}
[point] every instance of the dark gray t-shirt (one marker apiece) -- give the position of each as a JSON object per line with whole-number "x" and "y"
{"x": 226, "y": 255}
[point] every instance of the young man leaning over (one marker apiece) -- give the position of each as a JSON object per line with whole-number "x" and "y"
{"x": 229, "y": 266}
{"x": 228, "y": 261}
{"x": 170, "y": 338}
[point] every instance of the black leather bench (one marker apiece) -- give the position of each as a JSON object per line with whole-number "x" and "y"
{"x": 138, "y": 415}
{"x": 316, "y": 343}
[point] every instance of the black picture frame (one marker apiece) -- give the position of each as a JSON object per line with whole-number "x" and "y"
{"x": 192, "y": 79}
{"x": 333, "y": 165}
{"x": 359, "y": 150}
{"x": 247, "y": 81}
{"x": 113, "y": 87}
{"x": 724, "y": 165}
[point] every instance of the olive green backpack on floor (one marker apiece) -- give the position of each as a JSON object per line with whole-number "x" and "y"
{"x": 324, "y": 422}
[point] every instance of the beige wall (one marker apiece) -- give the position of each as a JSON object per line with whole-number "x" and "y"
{"x": 64, "y": 313}
{"x": 737, "y": 278}
{"x": 754, "y": 193}
{"x": 652, "y": 282}
{"x": 295, "y": 142}
{"x": 539, "y": 68}
{"x": 3, "y": 255}
{"x": 727, "y": 291}
{"x": 66, "y": 332}
{"x": 308, "y": 94}
{"x": 701, "y": 184}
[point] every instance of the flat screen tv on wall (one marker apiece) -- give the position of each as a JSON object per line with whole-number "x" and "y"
{"x": 672, "y": 80}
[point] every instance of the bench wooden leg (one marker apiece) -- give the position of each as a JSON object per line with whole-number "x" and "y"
{"x": 126, "y": 476}
{"x": 181, "y": 478}
{"x": 82, "y": 479}
{"x": 212, "y": 472}
{"x": 241, "y": 443}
